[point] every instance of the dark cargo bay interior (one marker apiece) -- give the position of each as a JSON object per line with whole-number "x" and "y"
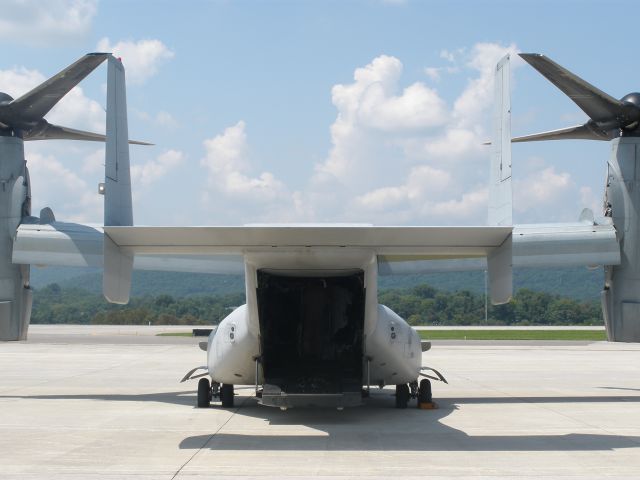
{"x": 311, "y": 331}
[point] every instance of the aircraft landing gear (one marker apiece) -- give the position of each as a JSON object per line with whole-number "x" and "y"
{"x": 424, "y": 393}
{"x": 402, "y": 395}
{"x": 204, "y": 393}
{"x": 226, "y": 395}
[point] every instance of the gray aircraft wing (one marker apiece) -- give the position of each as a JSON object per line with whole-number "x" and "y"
{"x": 598, "y": 105}
{"x": 534, "y": 245}
{"x": 36, "y": 103}
{"x": 77, "y": 245}
{"x": 222, "y": 249}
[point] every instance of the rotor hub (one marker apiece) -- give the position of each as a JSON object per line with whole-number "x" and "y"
{"x": 5, "y": 98}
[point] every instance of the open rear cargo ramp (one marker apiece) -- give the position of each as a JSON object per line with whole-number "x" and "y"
{"x": 311, "y": 337}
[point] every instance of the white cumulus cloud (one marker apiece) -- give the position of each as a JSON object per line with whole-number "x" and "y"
{"x": 142, "y": 59}
{"x": 45, "y": 23}
{"x": 228, "y": 166}
{"x": 405, "y": 149}
{"x": 19, "y": 80}
{"x": 371, "y": 106}
{"x": 94, "y": 162}
{"x": 543, "y": 193}
{"x": 153, "y": 170}
{"x": 70, "y": 196}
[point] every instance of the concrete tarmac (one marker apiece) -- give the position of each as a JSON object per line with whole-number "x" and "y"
{"x": 97, "y": 410}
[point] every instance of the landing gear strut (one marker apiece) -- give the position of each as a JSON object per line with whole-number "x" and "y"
{"x": 424, "y": 392}
{"x": 204, "y": 393}
{"x": 226, "y": 395}
{"x": 402, "y": 395}
{"x": 208, "y": 391}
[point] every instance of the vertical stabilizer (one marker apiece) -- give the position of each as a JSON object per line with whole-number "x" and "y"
{"x": 500, "y": 193}
{"x": 500, "y": 261}
{"x": 117, "y": 186}
{"x": 117, "y": 199}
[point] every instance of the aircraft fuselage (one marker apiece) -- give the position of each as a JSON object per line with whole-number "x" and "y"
{"x": 312, "y": 330}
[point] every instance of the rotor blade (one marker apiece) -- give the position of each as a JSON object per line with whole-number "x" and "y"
{"x": 36, "y": 104}
{"x": 579, "y": 132}
{"x": 594, "y": 102}
{"x": 56, "y": 132}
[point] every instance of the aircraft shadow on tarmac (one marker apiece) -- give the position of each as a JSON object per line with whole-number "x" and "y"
{"x": 186, "y": 398}
{"x": 378, "y": 426}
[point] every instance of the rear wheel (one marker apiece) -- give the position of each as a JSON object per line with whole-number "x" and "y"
{"x": 402, "y": 395}
{"x": 226, "y": 395}
{"x": 424, "y": 392}
{"x": 204, "y": 393}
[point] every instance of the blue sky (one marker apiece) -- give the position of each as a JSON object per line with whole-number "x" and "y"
{"x": 361, "y": 111}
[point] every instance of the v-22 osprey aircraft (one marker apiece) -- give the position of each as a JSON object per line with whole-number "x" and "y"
{"x": 311, "y": 331}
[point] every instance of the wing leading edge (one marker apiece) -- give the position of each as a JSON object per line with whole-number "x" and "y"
{"x": 398, "y": 241}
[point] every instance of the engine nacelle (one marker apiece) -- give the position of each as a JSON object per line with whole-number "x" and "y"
{"x": 15, "y": 292}
{"x": 632, "y": 113}
{"x": 5, "y": 98}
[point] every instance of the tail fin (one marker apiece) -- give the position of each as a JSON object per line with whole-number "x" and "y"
{"x": 500, "y": 261}
{"x": 117, "y": 199}
{"x": 118, "y": 211}
{"x": 500, "y": 192}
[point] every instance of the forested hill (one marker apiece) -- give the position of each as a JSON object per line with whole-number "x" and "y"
{"x": 542, "y": 298}
{"x": 576, "y": 283}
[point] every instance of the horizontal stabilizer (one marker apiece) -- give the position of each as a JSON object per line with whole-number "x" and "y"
{"x": 599, "y": 105}
{"x": 398, "y": 242}
{"x": 36, "y": 103}
{"x": 579, "y": 132}
{"x": 56, "y": 132}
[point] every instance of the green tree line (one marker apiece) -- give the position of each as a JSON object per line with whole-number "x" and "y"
{"x": 420, "y": 305}
{"x": 53, "y": 304}
{"x": 424, "y": 305}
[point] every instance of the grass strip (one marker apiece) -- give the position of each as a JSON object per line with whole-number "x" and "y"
{"x": 584, "y": 335}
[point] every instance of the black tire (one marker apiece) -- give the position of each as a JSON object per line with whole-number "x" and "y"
{"x": 226, "y": 395}
{"x": 402, "y": 395}
{"x": 204, "y": 393}
{"x": 424, "y": 392}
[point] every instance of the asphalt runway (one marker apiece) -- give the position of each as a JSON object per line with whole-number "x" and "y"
{"x": 113, "y": 408}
